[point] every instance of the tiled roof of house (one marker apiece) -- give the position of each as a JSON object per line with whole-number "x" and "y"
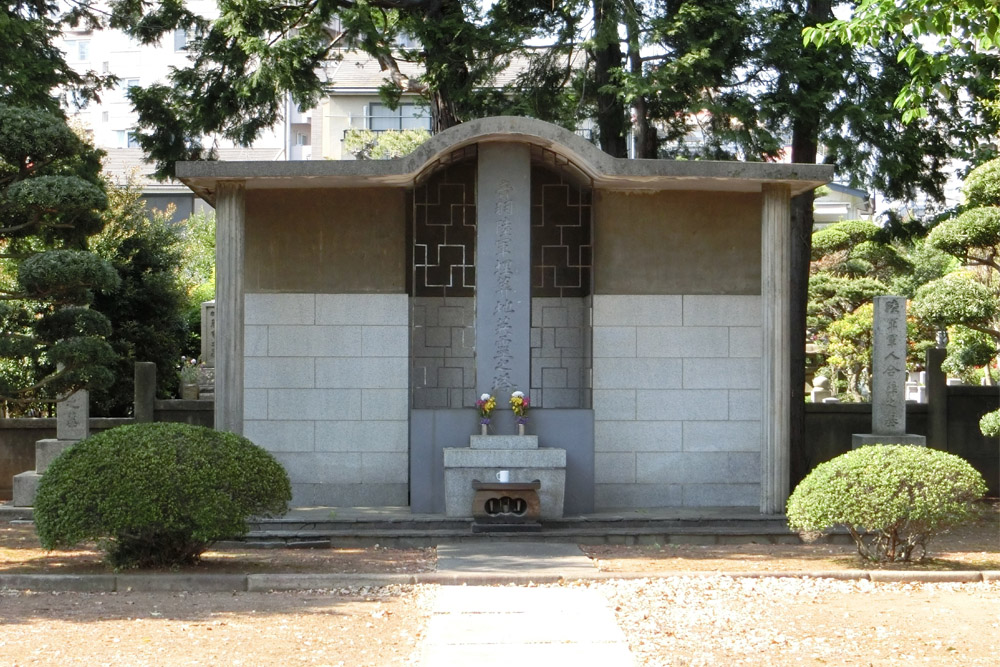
{"x": 119, "y": 163}
{"x": 359, "y": 72}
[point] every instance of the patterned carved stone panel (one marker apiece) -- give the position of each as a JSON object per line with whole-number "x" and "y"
{"x": 561, "y": 249}
{"x": 443, "y": 232}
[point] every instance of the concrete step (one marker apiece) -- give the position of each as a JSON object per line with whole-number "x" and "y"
{"x": 423, "y": 536}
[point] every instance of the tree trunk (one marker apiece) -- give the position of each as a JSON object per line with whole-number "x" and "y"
{"x": 607, "y": 55}
{"x": 446, "y": 61}
{"x": 805, "y": 138}
{"x": 646, "y": 141}
{"x": 443, "y": 113}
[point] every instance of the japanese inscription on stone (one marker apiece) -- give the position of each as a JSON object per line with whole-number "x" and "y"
{"x": 208, "y": 333}
{"x": 73, "y": 416}
{"x": 503, "y": 268}
{"x": 503, "y": 272}
{"x": 889, "y": 366}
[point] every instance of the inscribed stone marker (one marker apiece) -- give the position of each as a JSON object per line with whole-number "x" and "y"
{"x": 73, "y": 416}
{"x": 888, "y": 377}
{"x": 208, "y": 333}
{"x": 889, "y": 366}
{"x": 503, "y": 268}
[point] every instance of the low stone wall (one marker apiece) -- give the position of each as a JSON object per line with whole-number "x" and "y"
{"x": 198, "y": 413}
{"x": 966, "y": 406}
{"x": 829, "y": 427}
{"x": 17, "y": 445}
{"x": 18, "y": 436}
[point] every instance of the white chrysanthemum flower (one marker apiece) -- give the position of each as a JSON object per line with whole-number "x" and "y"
{"x": 517, "y": 394}
{"x": 484, "y": 397}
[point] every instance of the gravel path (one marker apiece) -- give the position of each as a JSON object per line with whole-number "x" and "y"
{"x": 718, "y": 620}
{"x": 690, "y": 621}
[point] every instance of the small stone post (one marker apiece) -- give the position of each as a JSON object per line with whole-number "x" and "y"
{"x": 145, "y": 391}
{"x": 937, "y": 399}
{"x": 72, "y": 425}
{"x": 888, "y": 377}
{"x": 208, "y": 333}
{"x": 206, "y": 371}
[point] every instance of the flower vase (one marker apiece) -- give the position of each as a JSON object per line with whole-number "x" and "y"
{"x": 482, "y": 429}
{"x": 189, "y": 391}
{"x": 520, "y": 428}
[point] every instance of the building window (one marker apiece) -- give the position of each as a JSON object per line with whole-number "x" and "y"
{"x": 104, "y": 116}
{"x": 125, "y": 84}
{"x": 180, "y": 40}
{"x": 301, "y": 139}
{"x": 127, "y": 139}
{"x": 403, "y": 117}
{"x": 78, "y": 50}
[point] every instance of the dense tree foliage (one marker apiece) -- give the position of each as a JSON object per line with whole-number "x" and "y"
{"x": 148, "y": 305}
{"x": 936, "y": 40}
{"x": 51, "y": 198}
{"x": 197, "y": 274}
{"x": 969, "y": 298}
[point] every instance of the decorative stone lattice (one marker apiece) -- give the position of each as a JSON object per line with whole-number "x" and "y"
{"x": 443, "y": 232}
{"x": 561, "y": 248}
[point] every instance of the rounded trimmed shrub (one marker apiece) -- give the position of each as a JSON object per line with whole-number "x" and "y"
{"x": 990, "y": 424}
{"x": 891, "y": 498}
{"x": 158, "y": 494}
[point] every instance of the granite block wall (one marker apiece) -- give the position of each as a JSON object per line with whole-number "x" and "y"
{"x": 677, "y": 400}
{"x": 560, "y": 352}
{"x": 443, "y": 348}
{"x": 326, "y": 380}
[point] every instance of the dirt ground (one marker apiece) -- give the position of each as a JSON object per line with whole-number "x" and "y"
{"x": 668, "y": 619}
{"x": 796, "y": 622}
{"x": 972, "y": 547}
{"x": 356, "y": 628}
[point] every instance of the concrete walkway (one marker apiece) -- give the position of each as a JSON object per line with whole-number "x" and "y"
{"x": 547, "y": 560}
{"x": 484, "y": 626}
{"x": 529, "y": 627}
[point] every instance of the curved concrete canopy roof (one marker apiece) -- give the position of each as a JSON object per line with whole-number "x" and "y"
{"x": 605, "y": 172}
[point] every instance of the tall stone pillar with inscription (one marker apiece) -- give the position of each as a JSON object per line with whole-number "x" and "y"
{"x": 503, "y": 270}
{"x": 206, "y": 371}
{"x": 888, "y": 377}
{"x": 72, "y": 426}
{"x": 503, "y": 339}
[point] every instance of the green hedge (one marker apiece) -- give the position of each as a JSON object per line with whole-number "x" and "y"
{"x": 157, "y": 494}
{"x": 891, "y": 498}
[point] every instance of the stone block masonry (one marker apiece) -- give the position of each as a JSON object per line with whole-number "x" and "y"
{"x": 326, "y": 384}
{"x": 677, "y": 400}
{"x": 443, "y": 349}
{"x": 560, "y": 352}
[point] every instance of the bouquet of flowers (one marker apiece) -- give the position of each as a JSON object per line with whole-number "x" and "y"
{"x": 486, "y": 404}
{"x": 188, "y": 370}
{"x": 520, "y": 403}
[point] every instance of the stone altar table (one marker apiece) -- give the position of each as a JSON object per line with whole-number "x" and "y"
{"x": 521, "y": 455}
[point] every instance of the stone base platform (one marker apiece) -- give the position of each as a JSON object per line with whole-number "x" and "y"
{"x": 26, "y": 483}
{"x": 511, "y": 507}
{"x": 523, "y": 458}
{"x": 25, "y": 488}
{"x": 863, "y": 439}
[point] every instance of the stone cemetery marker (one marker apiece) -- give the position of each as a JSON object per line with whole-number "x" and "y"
{"x": 889, "y": 366}
{"x": 888, "y": 377}
{"x": 208, "y": 333}
{"x": 503, "y": 268}
{"x": 73, "y": 416}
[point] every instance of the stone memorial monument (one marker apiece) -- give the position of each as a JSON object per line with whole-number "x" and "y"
{"x": 72, "y": 426}
{"x": 206, "y": 371}
{"x": 503, "y": 277}
{"x": 888, "y": 377}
